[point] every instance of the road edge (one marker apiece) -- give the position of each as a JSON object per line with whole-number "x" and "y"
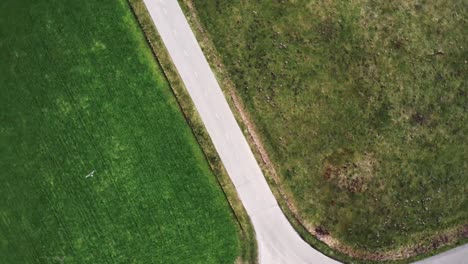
{"x": 248, "y": 252}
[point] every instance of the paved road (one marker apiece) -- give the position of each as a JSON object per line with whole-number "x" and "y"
{"x": 277, "y": 241}
{"x": 457, "y": 255}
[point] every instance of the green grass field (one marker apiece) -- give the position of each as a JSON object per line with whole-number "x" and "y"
{"x": 81, "y": 92}
{"x": 362, "y": 106}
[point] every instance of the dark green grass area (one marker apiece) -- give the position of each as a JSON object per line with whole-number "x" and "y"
{"x": 81, "y": 92}
{"x": 362, "y": 106}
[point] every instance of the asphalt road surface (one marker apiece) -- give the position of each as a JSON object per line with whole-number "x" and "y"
{"x": 277, "y": 241}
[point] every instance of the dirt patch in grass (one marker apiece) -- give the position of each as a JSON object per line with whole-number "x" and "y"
{"x": 353, "y": 176}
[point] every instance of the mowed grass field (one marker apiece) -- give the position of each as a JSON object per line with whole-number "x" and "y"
{"x": 362, "y": 106}
{"x": 81, "y": 92}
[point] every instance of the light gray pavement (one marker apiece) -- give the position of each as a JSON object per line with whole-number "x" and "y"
{"x": 457, "y": 255}
{"x": 277, "y": 241}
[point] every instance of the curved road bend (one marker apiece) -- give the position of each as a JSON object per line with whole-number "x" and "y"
{"x": 277, "y": 241}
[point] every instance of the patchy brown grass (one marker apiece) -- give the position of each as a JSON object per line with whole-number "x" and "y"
{"x": 353, "y": 175}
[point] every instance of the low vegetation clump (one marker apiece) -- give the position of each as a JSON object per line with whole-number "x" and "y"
{"x": 362, "y": 106}
{"x": 352, "y": 176}
{"x": 97, "y": 162}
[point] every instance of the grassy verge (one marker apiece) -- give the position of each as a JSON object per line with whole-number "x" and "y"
{"x": 247, "y": 234}
{"x": 98, "y": 164}
{"x": 240, "y": 32}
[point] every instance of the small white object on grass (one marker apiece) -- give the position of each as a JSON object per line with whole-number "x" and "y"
{"x": 91, "y": 174}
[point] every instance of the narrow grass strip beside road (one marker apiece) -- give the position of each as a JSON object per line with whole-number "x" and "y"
{"x": 246, "y": 234}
